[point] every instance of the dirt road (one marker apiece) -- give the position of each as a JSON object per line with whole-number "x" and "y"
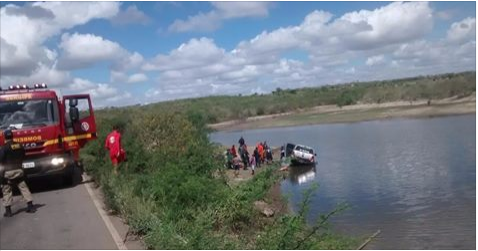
{"x": 66, "y": 218}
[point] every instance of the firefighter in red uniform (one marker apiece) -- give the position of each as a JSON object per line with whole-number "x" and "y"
{"x": 113, "y": 144}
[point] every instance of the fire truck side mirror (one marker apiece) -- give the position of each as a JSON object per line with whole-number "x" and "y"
{"x": 74, "y": 114}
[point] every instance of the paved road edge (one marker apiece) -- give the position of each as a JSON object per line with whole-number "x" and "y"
{"x": 114, "y": 233}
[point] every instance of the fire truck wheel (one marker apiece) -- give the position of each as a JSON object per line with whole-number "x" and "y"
{"x": 68, "y": 177}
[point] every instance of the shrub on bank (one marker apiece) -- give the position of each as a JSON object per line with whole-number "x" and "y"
{"x": 169, "y": 190}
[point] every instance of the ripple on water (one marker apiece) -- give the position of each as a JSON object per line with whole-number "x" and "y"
{"x": 414, "y": 179}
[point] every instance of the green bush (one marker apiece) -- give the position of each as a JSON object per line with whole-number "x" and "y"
{"x": 260, "y": 111}
{"x": 347, "y": 98}
{"x": 169, "y": 190}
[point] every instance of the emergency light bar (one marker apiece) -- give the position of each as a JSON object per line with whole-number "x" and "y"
{"x": 25, "y": 87}
{"x": 14, "y": 87}
{"x": 17, "y": 87}
{"x": 42, "y": 85}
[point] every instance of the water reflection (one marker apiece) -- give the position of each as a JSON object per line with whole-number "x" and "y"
{"x": 414, "y": 179}
{"x": 302, "y": 174}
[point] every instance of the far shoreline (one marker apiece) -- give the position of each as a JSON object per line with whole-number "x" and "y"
{"x": 331, "y": 114}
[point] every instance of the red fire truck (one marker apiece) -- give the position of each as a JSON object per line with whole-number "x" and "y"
{"x": 52, "y": 129}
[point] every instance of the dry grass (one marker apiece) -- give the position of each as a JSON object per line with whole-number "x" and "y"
{"x": 356, "y": 113}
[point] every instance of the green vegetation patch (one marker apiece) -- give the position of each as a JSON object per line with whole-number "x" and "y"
{"x": 169, "y": 191}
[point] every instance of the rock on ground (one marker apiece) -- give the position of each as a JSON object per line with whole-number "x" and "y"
{"x": 264, "y": 208}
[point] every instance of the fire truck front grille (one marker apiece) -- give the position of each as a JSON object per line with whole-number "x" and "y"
{"x": 34, "y": 146}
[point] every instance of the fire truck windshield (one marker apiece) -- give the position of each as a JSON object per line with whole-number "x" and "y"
{"x": 28, "y": 113}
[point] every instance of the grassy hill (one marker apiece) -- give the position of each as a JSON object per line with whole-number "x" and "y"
{"x": 216, "y": 109}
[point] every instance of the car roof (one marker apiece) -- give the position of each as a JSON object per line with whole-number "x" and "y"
{"x": 306, "y": 147}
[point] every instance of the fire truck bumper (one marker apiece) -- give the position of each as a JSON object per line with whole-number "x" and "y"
{"x": 49, "y": 165}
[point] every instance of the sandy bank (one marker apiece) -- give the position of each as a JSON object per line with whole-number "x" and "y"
{"x": 355, "y": 113}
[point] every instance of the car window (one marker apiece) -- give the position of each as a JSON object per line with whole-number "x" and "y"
{"x": 304, "y": 150}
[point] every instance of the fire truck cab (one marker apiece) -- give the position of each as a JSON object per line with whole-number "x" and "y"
{"x": 52, "y": 129}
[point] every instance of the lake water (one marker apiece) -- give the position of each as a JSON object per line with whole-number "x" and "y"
{"x": 414, "y": 179}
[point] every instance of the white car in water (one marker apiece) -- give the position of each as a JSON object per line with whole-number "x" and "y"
{"x": 300, "y": 154}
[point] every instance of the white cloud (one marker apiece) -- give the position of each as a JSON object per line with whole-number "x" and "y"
{"x": 48, "y": 74}
{"x": 103, "y": 91}
{"x": 24, "y": 29}
{"x": 83, "y": 50}
{"x": 25, "y": 58}
{"x": 30, "y": 11}
{"x": 14, "y": 62}
{"x": 138, "y": 77}
{"x": 69, "y": 14}
{"x": 194, "y": 53}
{"x": 122, "y": 99}
{"x": 102, "y": 94}
{"x": 24, "y": 53}
{"x": 242, "y": 9}
{"x": 462, "y": 31}
{"x": 132, "y": 61}
{"x": 211, "y": 21}
{"x": 61, "y": 80}
{"x": 81, "y": 85}
{"x": 328, "y": 40}
{"x": 64, "y": 15}
{"x": 351, "y": 70}
{"x": 200, "y": 22}
{"x": 151, "y": 93}
{"x": 455, "y": 52}
{"x": 132, "y": 15}
{"x": 120, "y": 67}
{"x": 316, "y": 20}
{"x": 118, "y": 76}
{"x": 374, "y": 60}
{"x": 194, "y": 67}
{"x": 388, "y": 39}
{"x": 411, "y": 50}
{"x": 396, "y": 22}
{"x": 272, "y": 42}
{"x": 248, "y": 72}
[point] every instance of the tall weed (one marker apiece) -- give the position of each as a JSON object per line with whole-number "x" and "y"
{"x": 169, "y": 190}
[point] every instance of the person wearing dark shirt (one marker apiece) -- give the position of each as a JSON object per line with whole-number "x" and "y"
{"x": 11, "y": 158}
{"x": 241, "y": 141}
{"x": 258, "y": 158}
{"x": 282, "y": 153}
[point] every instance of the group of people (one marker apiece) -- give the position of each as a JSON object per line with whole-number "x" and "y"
{"x": 243, "y": 159}
{"x": 263, "y": 153}
{"x": 240, "y": 158}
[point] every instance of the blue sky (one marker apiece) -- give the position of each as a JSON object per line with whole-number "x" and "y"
{"x": 125, "y": 53}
